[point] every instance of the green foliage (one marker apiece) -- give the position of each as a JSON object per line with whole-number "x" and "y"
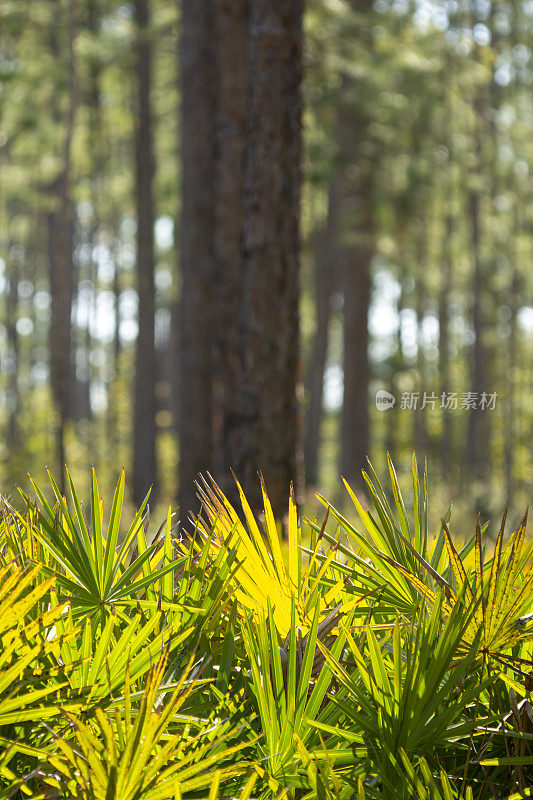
{"x": 407, "y": 676}
{"x": 286, "y": 696}
{"x": 29, "y": 688}
{"x": 97, "y": 574}
{"x": 133, "y": 752}
{"x": 404, "y": 696}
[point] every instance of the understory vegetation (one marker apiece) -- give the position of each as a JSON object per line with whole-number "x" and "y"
{"x": 372, "y": 659}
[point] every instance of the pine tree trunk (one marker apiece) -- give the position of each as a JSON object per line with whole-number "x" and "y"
{"x": 95, "y": 146}
{"x": 113, "y": 413}
{"x": 12, "y": 393}
{"x": 356, "y": 261}
{"x": 144, "y": 464}
{"x": 419, "y": 417}
{"x": 511, "y": 369}
{"x": 325, "y": 257}
{"x": 60, "y": 244}
{"x": 392, "y": 438}
{"x": 444, "y": 344}
{"x": 447, "y": 275}
{"x": 61, "y": 291}
{"x": 268, "y": 428}
{"x": 356, "y": 210}
{"x": 478, "y": 432}
{"x": 198, "y": 82}
{"x": 478, "y": 438}
{"x": 355, "y": 418}
{"x": 230, "y": 37}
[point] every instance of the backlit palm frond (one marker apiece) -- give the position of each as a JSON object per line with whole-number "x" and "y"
{"x": 33, "y": 686}
{"x": 404, "y": 694}
{"x": 144, "y": 749}
{"x": 93, "y": 569}
{"x": 262, "y": 576}
{"x": 392, "y": 545}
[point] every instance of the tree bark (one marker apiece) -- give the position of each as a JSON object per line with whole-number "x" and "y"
{"x": 447, "y": 275}
{"x": 478, "y": 437}
{"x": 514, "y": 290}
{"x": 198, "y": 81}
{"x": 84, "y": 339}
{"x": 478, "y": 432}
{"x": 392, "y": 438}
{"x": 357, "y": 283}
{"x": 268, "y": 427}
{"x": 11, "y": 317}
{"x": 240, "y": 245}
{"x": 420, "y": 435}
{"x": 60, "y": 243}
{"x": 444, "y": 342}
{"x": 356, "y": 211}
{"x": 144, "y": 462}
{"x": 230, "y": 37}
{"x": 325, "y": 258}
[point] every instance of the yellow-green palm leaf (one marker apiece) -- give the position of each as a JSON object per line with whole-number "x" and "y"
{"x": 262, "y": 576}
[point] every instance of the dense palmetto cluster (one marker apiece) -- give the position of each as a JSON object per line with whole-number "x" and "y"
{"x": 363, "y": 662}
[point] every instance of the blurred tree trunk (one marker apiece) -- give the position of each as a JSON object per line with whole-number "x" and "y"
{"x": 267, "y": 431}
{"x": 397, "y": 366}
{"x": 144, "y": 463}
{"x": 356, "y": 210}
{"x": 516, "y": 285}
{"x": 478, "y": 433}
{"x": 113, "y": 413}
{"x": 355, "y": 441}
{"x": 444, "y": 338}
{"x": 198, "y": 82}
{"x": 11, "y": 317}
{"x": 230, "y": 38}
{"x": 60, "y": 243}
{"x": 514, "y": 290}
{"x": 447, "y": 275}
{"x": 419, "y": 416}
{"x": 95, "y": 146}
{"x": 478, "y": 437}
{"x": 325, "y": 260}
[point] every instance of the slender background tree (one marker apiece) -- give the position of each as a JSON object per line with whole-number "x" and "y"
{"x": 144, "y": 455}
{"x": 198, "y": 82}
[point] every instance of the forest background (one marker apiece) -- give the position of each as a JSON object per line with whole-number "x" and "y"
{"x": 125, "y": 315}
